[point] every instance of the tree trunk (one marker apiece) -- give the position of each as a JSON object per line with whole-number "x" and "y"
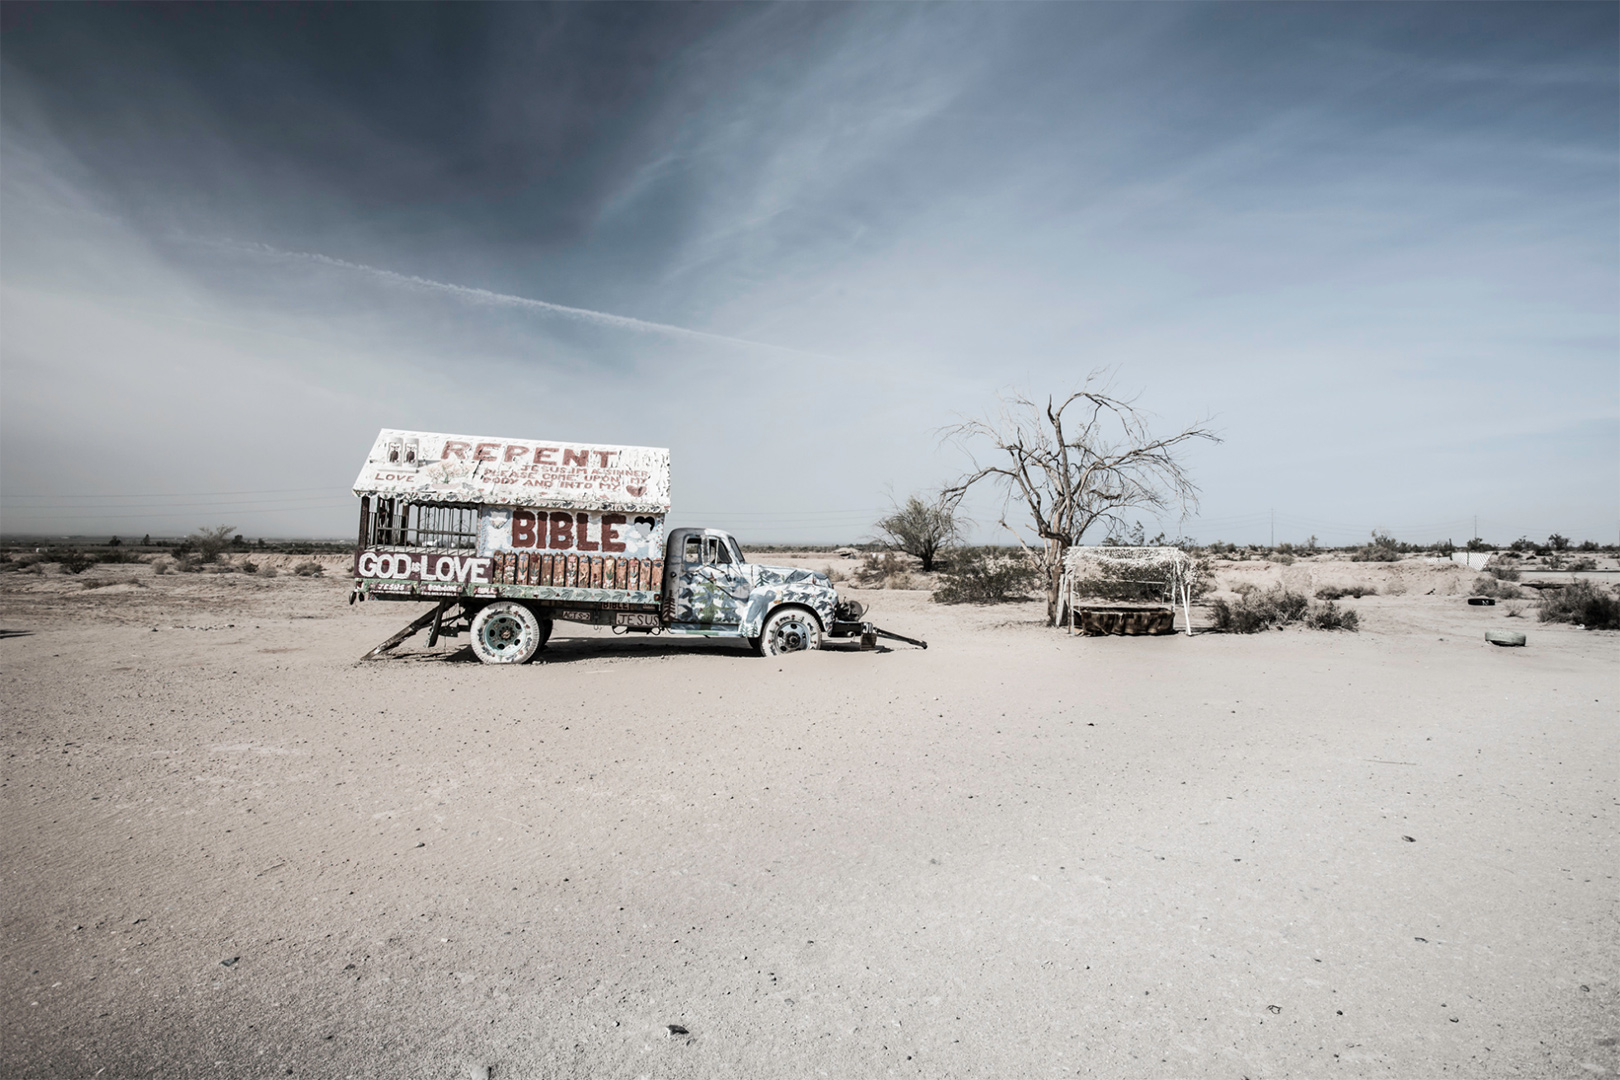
{"x": 1054, "y": 578}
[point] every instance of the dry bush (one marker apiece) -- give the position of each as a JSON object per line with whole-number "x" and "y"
{"x": 1339, "y": 592}
{"x": 210, "y": 542}
{"x": 1581, "y": 603}
{"x": 920, "y": 528}
{"x": 876, "y": 568}
{"x": 72, "y": 560}
{"x": 1383, "y": 548}
{"x": 309, "y": 569}
{"x": 103, "y": 583}
{"x": 1273, "y": 609}
{"x": 267, "y": 571}
{"x": 1329, "y": 616}
{"x": 986, "y": 577}
{"x": 1496, "y": 588}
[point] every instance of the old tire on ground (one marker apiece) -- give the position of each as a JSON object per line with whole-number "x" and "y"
{"x": 1504, "y": 637}
{"x": 506, "y": 632}
{"x": 788, "y": 630}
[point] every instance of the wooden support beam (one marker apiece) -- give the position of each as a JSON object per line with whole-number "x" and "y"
{"x": 433, "y": 615}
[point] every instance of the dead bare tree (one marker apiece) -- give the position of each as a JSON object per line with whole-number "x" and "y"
{"x": 1074, "y": 475}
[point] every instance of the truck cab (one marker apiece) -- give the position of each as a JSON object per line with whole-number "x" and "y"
{"x": 711, "y": 589}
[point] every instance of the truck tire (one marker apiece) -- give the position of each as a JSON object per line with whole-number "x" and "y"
{"x": 787, "y": 630}
{"x": 506, "y": 632}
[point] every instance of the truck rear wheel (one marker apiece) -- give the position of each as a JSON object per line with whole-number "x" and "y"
{"x": 787, "y": 630}
{"x": 506, "y": 632}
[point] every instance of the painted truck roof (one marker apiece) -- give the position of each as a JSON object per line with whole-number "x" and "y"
{"x": 429, "y": 466}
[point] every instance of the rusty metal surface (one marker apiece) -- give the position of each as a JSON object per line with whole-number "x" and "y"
{"x": 1099, "y": 621}
{"x": 429, "y": 467}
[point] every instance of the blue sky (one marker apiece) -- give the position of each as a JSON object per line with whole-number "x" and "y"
{"x": 1376, "y": 246}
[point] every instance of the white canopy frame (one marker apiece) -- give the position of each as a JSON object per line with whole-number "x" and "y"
{"x": 1182, "y": 573}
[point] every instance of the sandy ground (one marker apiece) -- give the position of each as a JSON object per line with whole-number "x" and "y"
{"x": 229, "y": 850}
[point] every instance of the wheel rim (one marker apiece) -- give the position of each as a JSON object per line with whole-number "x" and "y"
{"x": 503, "y": 634}
{"x": 790, "y": 635}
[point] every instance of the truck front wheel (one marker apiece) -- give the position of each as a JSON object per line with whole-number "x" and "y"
{"x": 506, "y": 633}
{"x": 789, "y": 629}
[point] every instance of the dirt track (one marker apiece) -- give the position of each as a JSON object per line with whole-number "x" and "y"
{"x": 1015, "y": 854}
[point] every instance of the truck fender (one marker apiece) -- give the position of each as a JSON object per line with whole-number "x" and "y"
{"x": 764, "y": 601}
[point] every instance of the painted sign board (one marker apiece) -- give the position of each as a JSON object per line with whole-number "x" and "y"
{"x": 426, "y": 466}
{"x": 616, "y": 581}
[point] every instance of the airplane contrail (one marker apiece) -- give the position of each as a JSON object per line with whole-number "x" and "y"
{"x": 497, "y": 299}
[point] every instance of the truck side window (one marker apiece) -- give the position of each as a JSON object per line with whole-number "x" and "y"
{"x": 694, "y": 551}
{"x": 715, "y": 551}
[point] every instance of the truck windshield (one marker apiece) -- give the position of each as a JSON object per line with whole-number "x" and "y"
{"x": 736, "y": 552}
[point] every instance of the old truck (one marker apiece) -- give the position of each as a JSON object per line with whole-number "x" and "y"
{"x": 507, "y": 537}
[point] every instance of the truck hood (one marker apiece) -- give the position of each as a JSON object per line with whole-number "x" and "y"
{"x": 761, "y": 575}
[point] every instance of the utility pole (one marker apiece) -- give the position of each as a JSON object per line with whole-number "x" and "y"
{"x": 1273, "y": 526}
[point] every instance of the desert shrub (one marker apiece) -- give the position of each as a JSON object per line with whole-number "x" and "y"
{"x": 981, "y": 577}
{"x": 208, "y": 543}
{"x": 1581, "y": 603}
{"x": 73, "y": 561}
{"x": 1487, "y": 585}
{"x": 161, "y": 568}
{"x": 877, "y": 567}
{"x": 1503, "y": 572}
{"x": 1383, "y": 548}
{"x": 1330, "y": 616}
{"x": 267, "y": 571}
{"x": 249, "y": 566}
{"x": 901, "y": 580}
{"x": 1282, "y": 558}
{"x": 1339, "y": 592}
{"x": 308, "y": 569}
{"x": 920, "y": 528}
{"x": 1582, "y": 564}
{"x": 1276, "y": 608}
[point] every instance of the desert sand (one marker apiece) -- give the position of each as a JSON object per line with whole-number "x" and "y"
{"x": 230, "y": 850}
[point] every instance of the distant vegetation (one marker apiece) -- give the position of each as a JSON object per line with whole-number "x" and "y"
{"x": 207, "y": 547}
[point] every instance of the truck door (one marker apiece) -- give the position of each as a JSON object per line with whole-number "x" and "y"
{"x": 711, "y": 589}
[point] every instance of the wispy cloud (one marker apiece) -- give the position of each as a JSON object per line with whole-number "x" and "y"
{"x": 490, "y": 298}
